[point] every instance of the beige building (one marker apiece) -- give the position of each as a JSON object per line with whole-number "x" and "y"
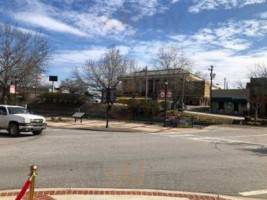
{"x": 183, "y": 85}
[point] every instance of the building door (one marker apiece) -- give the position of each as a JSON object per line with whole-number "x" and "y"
{"x": 236, "y": 107}
{"x": 221, "y": 105}
{"x": 265, "y": 113}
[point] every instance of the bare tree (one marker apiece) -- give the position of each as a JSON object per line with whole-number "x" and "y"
{"x": 240, "y": 84}
{"x": 106, "y": 72}
{"x": 22, "y": 57}
{"x": 75, "y": 84}
{"x": 171, "y": 57}
{"x": 135, "y": 81}
{"x": 177, "y": 66}
{"x": 200, "y": 74}
{"x": 258, "y": 89}
{"x": 259, "y": 71}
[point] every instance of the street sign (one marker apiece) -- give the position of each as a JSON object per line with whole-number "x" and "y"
{"x": 162, "y": 93}
{"x": 53, "y": 78}
{"x": 169, "y": 93}
{"x": 109, "y": 95}
{"x": 12, "y": 89}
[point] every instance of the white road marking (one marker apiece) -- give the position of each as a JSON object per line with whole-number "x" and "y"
{"x": 241, "y": 136}
{"x": 253, "y": 193}
{"x": 214, "y": 140}
{"x": 185, "y": 135}
{"x": 209, "y": 139}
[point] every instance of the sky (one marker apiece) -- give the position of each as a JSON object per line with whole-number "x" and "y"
{"x": 228, "y": 34}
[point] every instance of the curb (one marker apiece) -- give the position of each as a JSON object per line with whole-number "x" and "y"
{"x": 49, "y": 193}
{"x": 97, "y": 130}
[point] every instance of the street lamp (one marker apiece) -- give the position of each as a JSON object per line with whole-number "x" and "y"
{"x": 165, "y": 116}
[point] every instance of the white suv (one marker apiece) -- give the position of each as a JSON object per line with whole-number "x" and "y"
{"x": 17, "y": 119}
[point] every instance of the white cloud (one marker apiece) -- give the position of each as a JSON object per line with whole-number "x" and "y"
{"x": 98, "y": 26}
{"x": 78, "y": 57}
{"x": 27, "y": 31}
{"x": 263, "y": 15}
{"x": 224, "y": 4}
{"x": 47, "y": 23}
{"x": 134, "y": 9}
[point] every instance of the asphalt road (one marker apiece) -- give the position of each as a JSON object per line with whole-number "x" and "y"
{"x": 214, "y": 160}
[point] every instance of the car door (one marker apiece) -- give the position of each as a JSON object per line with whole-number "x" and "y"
{"x": 3, "y": 117}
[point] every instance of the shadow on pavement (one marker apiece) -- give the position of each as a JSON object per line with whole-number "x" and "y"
{"x": 6, "y": 135}
{"x": 258, "y": 151}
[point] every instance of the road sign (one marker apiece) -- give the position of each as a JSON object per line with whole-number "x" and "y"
{"x": 53, "y": 78}
{"x": 169, "y": 93}
{"x": 162, "y": 93}
{"x": 12, "y": 89}
{"x": 109, "y": 95}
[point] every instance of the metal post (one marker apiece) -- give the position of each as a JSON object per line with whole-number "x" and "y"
{"x": 183, "y": 93}
{"x": 165, "y": 96}
{"x": 107, "y": 117}
{"x": 33, "y": 174}
{"x": 16, "y": 84}
{"x": 107, "y": 101}
{"x": 52, "y": 86}
{"x": 146, "y": 84}
{"x": 211, "y": 79}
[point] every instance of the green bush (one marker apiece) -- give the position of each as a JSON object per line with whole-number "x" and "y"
{"x": 59, "y": 98}
{"x": 141, "y": 109}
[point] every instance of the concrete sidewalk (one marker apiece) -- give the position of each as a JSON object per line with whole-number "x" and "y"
{"x": 112, "y": 194}
{"x": 114, "y": 126}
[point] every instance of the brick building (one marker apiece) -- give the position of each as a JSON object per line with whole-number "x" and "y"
{"x": 231, "y": 102}
{"x": 195, "y": 90}
{"x": 258, "y": 96}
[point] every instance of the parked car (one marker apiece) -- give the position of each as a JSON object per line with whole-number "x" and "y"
{"x": 16, "y": 119}
{"x": 95, "y": 100}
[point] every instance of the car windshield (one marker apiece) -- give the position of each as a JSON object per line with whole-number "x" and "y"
{"x": 17, "y": 110}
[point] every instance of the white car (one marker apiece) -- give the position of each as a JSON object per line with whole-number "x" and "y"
{"x": 17, "y": 119}
{"x": 95, "y": 100}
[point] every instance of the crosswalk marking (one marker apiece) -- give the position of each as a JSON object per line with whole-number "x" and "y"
{"x": 253, "y": 193}
{"x": 207, "y": 139}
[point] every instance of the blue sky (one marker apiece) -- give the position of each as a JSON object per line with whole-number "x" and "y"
{"x": 229, "y": 34}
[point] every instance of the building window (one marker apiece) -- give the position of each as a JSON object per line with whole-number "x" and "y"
{"x": 221, "y": 105}
{"x": 236, "y": 107}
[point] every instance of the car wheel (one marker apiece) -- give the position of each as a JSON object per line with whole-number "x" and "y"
{"x": 37, "y": 132}
{"x": 13, "y": 130}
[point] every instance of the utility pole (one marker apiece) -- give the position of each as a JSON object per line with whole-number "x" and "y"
{"x": 212, "y": 76}
{"x": 165, "y": 102}
{"x": 146, "y": 84}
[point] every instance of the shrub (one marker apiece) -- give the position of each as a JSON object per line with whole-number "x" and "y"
{"x": 64, "y": 98}
{"x": 142, "y": 109}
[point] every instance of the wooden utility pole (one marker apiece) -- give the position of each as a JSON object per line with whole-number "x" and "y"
{"x": 211, "y": 80}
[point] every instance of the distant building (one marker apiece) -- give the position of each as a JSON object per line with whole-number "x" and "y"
{"x": 258, "y": 96}
{"x": 195, "y": 90}
{"x": 231, "y": 102}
